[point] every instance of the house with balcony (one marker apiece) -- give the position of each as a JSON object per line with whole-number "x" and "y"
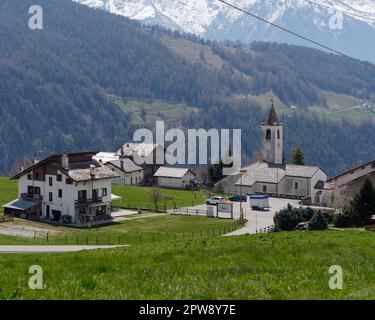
{"x": 68, "y": 188}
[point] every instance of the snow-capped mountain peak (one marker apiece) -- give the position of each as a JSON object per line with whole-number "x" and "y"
{"x": 215, "y": 20}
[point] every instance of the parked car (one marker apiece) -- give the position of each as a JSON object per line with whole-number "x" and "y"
{"x": 238, "y": 198}
{"x": 259, "y": 202}
{"x": 214, "y": 200}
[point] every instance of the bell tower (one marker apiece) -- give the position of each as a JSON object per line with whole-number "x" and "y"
{"x": 272, "y": 138}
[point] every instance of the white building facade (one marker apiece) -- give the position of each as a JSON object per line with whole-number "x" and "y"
{"x": 67, "y": 188}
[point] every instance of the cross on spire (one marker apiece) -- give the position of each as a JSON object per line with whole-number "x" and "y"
{"x": 272, "y": 116}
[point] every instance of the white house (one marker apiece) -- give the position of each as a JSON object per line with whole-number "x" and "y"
{"x": 70, "y": 188}
{"x": 339, "y": 190}
{"x": 128, "y": 173}
{"x": 176, "y": 178}
{"x": 152, "y": 154}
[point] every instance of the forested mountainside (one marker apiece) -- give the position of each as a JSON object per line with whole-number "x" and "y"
{"x": 59, "y": 86}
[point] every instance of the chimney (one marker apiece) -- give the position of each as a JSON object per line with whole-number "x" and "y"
{"x": 65, "y": 161}
{"x": 92, "y": 171}
{"x": 36, "y": 161}
{"x": 122, "y": 152}
{"x": 21, "y": 169}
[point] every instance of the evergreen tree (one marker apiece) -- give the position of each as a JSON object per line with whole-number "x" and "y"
{"x": 363, "y": 204}
{"x": 298, "y": 157}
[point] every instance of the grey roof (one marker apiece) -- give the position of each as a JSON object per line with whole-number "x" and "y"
{"x": 19, "y": 204}
{"x": 264, "y": 172}
{"x": 272, "y": 116}
{"x": 100, "y": 172}
{"x": 127, "y": 165}
{"x": 140, "y": 149}
{"x": 300, "y": 171}
{"x": 170, "y": 172}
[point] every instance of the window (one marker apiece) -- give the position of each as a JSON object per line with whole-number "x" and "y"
{"x": 29, "y": 176}
{"x": 59, "y": 177}
{"x": 50, "y": 196}
{"x": 68, "y": 181}
{"x": 30, "y": 190}
{"x": 264, "y": 188}
{"x": 104, "y": 192}
{"x": 50, "y": 181}
{"x": 82, "y": 195}
{"x": 37, "y": 190}
{"x": 268, "y": 134}
{"x": 278, "y": 134}
{"x": 296, "y": 185}
{"x": 60, "y": 193}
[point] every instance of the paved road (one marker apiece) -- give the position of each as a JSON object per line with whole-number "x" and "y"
{"x": 255, "y": 219}
{"x": 51, "y": 249}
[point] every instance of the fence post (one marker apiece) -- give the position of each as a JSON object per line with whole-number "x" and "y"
{"x": 77, "y": 240}
{"x": 34, "y": 235}
{"x": 66, "y": 239}
{"x": 87, "y": 240}
{"x": 47, "y": 236}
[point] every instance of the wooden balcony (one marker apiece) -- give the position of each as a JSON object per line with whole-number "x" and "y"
{"x": 31, "y": 197}
{"x": 87, "y": 202}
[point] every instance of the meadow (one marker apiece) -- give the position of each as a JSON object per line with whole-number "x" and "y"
{"x": 285, "y": 265}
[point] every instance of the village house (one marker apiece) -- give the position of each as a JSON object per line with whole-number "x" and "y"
{"x": 272, "y": 176}
{"x": 71, "y": 188}
{"x": 175, "y": 178}
{"x": 148, "y": 152}
{"x": 128, "y": 173}
{"x": 339, "y": 190}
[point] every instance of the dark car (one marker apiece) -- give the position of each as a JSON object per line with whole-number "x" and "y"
{"x": 238, "y": 198}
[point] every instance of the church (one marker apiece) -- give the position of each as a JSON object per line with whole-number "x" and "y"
{"x": 272, "y": 176}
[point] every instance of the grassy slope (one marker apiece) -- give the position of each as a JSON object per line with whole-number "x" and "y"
{"x": 140, "y": 196}
{"x": 136, "y": 231}
{"x": 8, "y": 191}
{"x": 194, "y": 52}
{"x": 275, "y": 266}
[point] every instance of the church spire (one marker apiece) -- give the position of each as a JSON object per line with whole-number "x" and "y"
{"x": 272, "y": 116}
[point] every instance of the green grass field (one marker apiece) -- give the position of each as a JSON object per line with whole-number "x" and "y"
{"x": 163, "y": 228}
{"x": 8, "y": 191}
{"x": 291, "y": 265}
{"x": 140, "y": 197}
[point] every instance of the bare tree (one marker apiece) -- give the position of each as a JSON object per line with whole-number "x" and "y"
{"x": 156, "y": 195}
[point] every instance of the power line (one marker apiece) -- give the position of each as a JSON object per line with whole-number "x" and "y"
{"x": 287, "y": 30}
{"x": 339, "y": 10}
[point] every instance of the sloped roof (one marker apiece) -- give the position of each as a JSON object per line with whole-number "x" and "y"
{"x": 130, "y": 149}
{"x": 300, "y": 171}
{"x": 267, "y": 173}
{"x": 169, "y": 172}
{"x": 104, "y": 157}
{"x": 101, "y": 172}
{"x": 261, "y": 172}
{"x": 272, "y": 117}
{"x": 20, "y": 204}
{"x": 129, "y": 165}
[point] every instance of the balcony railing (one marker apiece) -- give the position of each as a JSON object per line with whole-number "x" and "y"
{"x": 86, "y": 202}
{"x": 31, "y": 197}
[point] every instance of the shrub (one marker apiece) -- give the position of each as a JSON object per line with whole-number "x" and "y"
{"x": 318, "y": 222}
{"x": 287, "y": 219}
{"x": 363, "y": 204}
{"x": 347, "y": 218}
{"x": 307, "y": 213}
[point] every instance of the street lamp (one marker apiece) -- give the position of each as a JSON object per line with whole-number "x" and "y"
{"x": 241, "y": 209}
